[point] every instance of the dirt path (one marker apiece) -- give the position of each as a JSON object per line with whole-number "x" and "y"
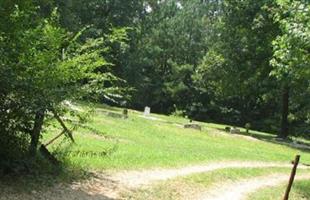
{"x": 107, "y": 186}
{"x": 241, "y": 189}
{"x": 135, "y": 179}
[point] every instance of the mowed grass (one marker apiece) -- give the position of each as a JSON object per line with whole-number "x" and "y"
{"x": 299, "y": 191}
{"x": 193, "y": 186}
{"x": 138, "y": 143}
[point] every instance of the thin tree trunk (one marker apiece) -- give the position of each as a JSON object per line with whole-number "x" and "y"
{"x": 285, "y": 110}
{"x": 37, "y": 128}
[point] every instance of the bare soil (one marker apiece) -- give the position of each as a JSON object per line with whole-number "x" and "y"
{"x": 107, "y": 186}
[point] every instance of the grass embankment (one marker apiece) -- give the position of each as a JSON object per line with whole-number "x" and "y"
{"x": 137, "y": 143}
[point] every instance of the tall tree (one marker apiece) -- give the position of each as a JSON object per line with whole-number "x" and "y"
{"x": 237, "y": 64}
{"x": 171, "y": 42}
{"x": 291, "y": 57}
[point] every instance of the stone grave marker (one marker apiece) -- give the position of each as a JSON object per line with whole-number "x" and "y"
{"x": 147, "y": 111}
{"x": 125, "y": 113}
{"x": 115, "y": 115}
{"x": 192, "y": 125}
{"x": 234, "y": 130}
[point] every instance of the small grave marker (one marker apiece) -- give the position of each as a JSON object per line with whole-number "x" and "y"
{"x": 125, "y": 113}
{"x": 234, "y": 130}
{"x": 193, "y": 126}
{"x": 147, "y": 111}
{"x": 115, "y": 115}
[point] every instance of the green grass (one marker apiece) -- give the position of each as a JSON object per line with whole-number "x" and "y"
{"x": 137, "y": 143}
{"x": 299, "y": 191}
{"x": 231, "y": 175}
{"x": 112, "y": 144}
{"x": 186, "y": 187}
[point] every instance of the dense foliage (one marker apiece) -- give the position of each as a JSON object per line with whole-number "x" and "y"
{"x": 42, "y": 66}
{"x": 237, "y": 62}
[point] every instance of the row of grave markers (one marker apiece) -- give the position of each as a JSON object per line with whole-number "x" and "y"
{"x": 146, "y": 113}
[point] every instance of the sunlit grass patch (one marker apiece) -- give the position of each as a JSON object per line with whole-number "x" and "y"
{"x": 299, "y": 191}
{"x": 138, "y": 143}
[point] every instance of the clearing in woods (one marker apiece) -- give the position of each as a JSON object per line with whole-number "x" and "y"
{"x": 131, "y": 158}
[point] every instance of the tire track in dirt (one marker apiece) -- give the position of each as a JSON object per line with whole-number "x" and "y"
{"x": 135, "y": 179}
{"x": 110, "y": 186}
{"x": 240, "y": 190}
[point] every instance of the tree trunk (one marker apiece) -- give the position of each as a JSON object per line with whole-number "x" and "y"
{"x": 37, "y": 128}
{"x": 285, "y": 110}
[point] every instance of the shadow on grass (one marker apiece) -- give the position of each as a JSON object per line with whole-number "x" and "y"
{"x": 106, "y": 108}
{"x": 272, "y": 139}
{"x": 56, "y": 184}
{"x": 302, "y": 187}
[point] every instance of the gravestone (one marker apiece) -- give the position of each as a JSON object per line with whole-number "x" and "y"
{"x": 115, "y": 115}
{"x": 147, "y": 111}
{"x": 234, "y": 130}
{"x": 125, "y": 113}
{"x": 227, "y": 129}
{"x": 193, "y": 126}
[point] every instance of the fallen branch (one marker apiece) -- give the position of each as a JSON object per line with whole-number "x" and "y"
{"x": 55, "y": 138}
{"x": 63, "y": 125}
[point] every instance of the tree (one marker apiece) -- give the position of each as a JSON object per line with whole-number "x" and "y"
{"x": 42, "y": 66}
{"x": 291, "y": 58}
{"x": 231, "y": 79}
{"x": 171, "y": 41}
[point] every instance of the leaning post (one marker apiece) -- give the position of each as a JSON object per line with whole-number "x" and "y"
{"x": 290, "y": 183}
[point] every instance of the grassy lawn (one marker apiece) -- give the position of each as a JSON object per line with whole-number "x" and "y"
{"x": 115, "y": 144}
{"x": 137, "y": 143}
{"x": 300, "y": 191}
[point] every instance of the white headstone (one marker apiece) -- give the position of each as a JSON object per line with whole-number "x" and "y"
{"x": 147, "y": 111}
{"x": 235, "y": 130}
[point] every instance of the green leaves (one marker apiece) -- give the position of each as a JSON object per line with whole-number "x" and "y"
{"x": 44, "y": 65}
{"x": 291, "y": 49}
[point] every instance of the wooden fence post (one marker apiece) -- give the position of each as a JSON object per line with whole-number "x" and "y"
{"x": 290, "y": 183}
